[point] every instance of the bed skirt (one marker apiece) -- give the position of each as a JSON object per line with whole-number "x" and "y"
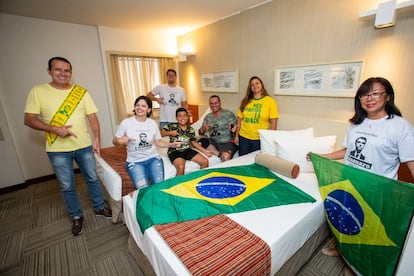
{"x": 291, "y": 267}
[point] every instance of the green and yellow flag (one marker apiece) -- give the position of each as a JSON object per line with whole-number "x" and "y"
{"x": 369, "y": 215}
{"x": 214, "y": 191}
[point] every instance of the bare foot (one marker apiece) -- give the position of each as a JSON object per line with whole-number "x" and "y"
{"x": 330, "y": 249}
{"x": 348, "y": 271}
{"x": 331, "y": 252}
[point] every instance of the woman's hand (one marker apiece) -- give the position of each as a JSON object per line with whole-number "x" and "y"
{"x": 176, "y": 144}
{"x": 122, "y": 140}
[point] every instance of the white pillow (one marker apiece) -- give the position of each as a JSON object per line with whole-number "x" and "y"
{"x": 197, "y": 125}
{"x": 268, "y": 138}
{"x": 295, "y": 150}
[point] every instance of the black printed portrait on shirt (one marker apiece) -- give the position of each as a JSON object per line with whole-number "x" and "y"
{"x": 143, "y": 140}
{"x": 359, "y": 146}
{"x": 215, "y": 131}
{"x": 172, "y": 100}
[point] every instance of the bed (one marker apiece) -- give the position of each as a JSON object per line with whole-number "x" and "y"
{"x": 111, "y": 171}
{"x": 289, "y": 229}
{"x": 293, "y": 234}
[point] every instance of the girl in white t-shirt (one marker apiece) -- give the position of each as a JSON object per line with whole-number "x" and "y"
{"x": 141, "y": 134}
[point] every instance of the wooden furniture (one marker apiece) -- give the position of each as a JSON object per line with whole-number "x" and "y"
{"x": 194, "y": 112}
{"x": 404, "y": 174}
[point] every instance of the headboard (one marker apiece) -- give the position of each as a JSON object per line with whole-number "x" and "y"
{"x": 322, "y": 127}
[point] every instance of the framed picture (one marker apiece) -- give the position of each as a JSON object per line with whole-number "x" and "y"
{"x": 328, "y": 80}
{"x": 225, "y": 81}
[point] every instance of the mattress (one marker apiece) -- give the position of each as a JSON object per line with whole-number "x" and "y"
{"x": 284, "y": 228}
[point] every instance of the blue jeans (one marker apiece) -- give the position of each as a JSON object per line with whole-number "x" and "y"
{"x": 62, "y": 163}
{"x": 247, "y": 146}
{"x": 140, "y": 172}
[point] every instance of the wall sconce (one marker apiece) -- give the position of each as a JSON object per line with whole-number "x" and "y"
{"x": 385, "y": 14}
{"x": 182, "y": 56}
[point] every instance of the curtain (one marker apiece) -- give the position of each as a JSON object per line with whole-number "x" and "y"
{"x": 133, "y": 76}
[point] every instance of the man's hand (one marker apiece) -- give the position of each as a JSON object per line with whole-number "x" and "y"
{"x": 160, "y": 100}
{"x": 63, "y": 131}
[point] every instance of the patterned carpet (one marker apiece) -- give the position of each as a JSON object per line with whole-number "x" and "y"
{"x": 35, "y": 238}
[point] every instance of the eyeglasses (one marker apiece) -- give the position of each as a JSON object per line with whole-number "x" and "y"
{"x": 374, "y": 95}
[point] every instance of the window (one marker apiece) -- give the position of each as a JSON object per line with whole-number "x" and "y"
{"x": 133, "y": 76}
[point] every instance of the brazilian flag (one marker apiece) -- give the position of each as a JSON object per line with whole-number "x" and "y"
{"x": 369, "y": 215}
{"x": 211, "y": 192}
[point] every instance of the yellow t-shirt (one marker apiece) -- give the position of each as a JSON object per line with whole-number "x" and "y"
{"x": 256, "y": 116}
{"x": 45, "y": 100}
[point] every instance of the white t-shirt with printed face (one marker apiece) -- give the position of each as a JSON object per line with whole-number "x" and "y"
{"x": 144, "y": 134}
{"x": 379, "y": 146}
{"x": 173, "y": 96}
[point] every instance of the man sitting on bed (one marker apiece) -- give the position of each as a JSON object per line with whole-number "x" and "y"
{"x": 220, "y": 125}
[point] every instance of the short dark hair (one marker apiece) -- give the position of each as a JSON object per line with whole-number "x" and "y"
{"x": 49, "y": 63}
{"x": 180, "y": 109}
{"x": 147, "y": 100}
{"x": 215, "y": 96}
{"x": 171, "y": 70}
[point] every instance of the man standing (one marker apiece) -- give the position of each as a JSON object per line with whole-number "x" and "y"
{"x": 220, "y": 125}
{"x": 170, "y": 97}
{"x": 59, "y": 109}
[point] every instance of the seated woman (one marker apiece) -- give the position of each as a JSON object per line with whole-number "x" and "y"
{"x": 185, "y": 134}
{"x": 141, "y": 134}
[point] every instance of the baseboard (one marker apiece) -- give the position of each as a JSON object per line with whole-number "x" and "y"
{"x": 30, "y": 182}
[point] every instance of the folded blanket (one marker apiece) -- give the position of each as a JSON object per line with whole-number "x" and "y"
{"x": 217, "y": 246}
{"x": 116, "y": 158}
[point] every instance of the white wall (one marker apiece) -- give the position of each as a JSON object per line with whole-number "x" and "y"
{"x": 284, "y": 33}
{"x": 10, "y": 169}
{"x": 26, "y": 45}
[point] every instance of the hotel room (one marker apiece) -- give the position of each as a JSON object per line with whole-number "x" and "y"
{"x": 261, "y": 40}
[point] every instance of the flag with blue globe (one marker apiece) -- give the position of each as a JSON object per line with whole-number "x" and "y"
{"x": 369, "y": 215}
{"x": 211, "y": 192}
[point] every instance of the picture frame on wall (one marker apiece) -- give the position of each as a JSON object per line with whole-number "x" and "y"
{"x": 327, "y": 80}
{"x": 223, "y": 81}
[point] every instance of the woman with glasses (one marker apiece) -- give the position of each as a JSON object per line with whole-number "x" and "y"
{"x": 388, "y": 139}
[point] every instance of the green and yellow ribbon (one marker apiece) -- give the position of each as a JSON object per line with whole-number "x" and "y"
{"x": 65, "y": 110}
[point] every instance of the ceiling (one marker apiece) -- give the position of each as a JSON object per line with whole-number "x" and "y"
{"x": 176, "y": 17}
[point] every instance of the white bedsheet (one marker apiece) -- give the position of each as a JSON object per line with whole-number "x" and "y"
{"x": 113, "y": 182}
{"x": 284, "y": 228}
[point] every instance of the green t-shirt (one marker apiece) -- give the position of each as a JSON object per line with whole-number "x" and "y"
{"x": 220, "y": 127}
{"x": 185, "y": 136}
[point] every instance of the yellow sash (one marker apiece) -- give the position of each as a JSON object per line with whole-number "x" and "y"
{"x": 65, "y": 110}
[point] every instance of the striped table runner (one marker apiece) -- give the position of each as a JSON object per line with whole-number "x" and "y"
{"x": 217, "y": 246}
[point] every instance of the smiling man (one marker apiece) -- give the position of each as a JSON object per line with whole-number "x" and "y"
{"x": 220, "y": 126}
{"x": 59, "y": 109}
{"x": 169, "y": 96}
